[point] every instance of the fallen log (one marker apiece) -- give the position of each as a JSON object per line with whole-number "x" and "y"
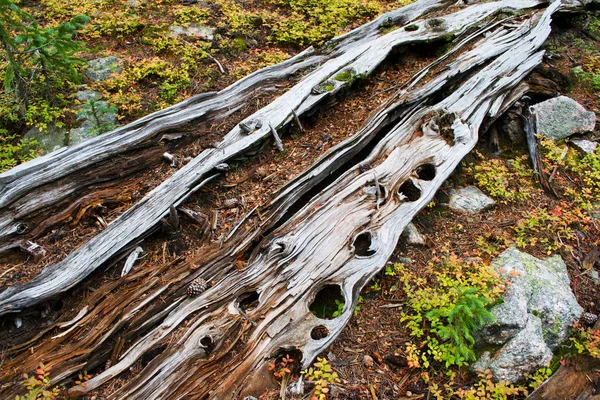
{"x": 336, "y": 242}
{"x": 33, "y": 195}
{"x": 353, "y": 56}
{"x": 339, "y": 240}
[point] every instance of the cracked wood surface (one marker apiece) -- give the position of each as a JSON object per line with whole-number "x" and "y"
{"x": 372, "y": 201}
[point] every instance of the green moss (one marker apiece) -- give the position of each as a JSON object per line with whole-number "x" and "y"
{"x": 411, "y": 28}
{"x": 346, "y": 76}
{"x": 311, "y": 22}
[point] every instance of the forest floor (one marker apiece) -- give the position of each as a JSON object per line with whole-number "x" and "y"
{"x": 370, "y": 356}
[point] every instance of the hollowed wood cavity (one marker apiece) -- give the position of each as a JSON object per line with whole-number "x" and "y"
{"x": 328, "y": 302}
{"x": 319, "y": 332}
{"x": 290, "y": 359}
{"x": 207, "y": 343}
{"x": 425, "y": 172}
{"x": 248, "y": 301}
{"x": 408, "y": 191}
{"x": 362, "y": 245}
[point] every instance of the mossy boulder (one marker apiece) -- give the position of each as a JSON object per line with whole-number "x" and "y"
{"x": 536, "y": 316}
{"x": 561, "y": 117}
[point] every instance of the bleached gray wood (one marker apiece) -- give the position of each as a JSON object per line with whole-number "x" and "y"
{"x": 315, "y": 247}
{"x": 31, "y": 189}
{"x": 361, "y": 56}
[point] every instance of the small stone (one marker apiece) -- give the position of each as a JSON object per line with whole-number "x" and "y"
{"x": 595, "y": 276}
{"x": 413, "y": 236}
{"x": 408, "y": 393}
{"x": 469, "y": 200}
{"x": 231, "y": 203}
{"x": 193, "y": 30}
{"x": 561, "y": 117}
{"x": 18, "y": 322}
{"x": 404, "y": 260}
{"x": 101, "y": 69}
{"x": 368, "y": 361}
{"x": 87, "y": 95}
{"x": 584, "y": 146}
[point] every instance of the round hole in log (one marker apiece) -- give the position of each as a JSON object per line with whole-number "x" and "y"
{"x": 328, "y": 303}
{"x": 426, "y": 172}
{"x": 362, "y": 244}
{"x": 319, "y": 332}
{"x": 409, "y": 191}
{"x": 207, "y": 343}
{"x": 248, "y": 301}
{"x": 287, "y": 358}
{"x": 411, "y": 28}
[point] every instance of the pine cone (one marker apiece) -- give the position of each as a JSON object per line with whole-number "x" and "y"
{"x": 589, "y": 319}
{"x": 197, "y": 286}
{"x": 417, "y": 387}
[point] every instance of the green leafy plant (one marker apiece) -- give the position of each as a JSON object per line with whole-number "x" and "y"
{"x": 39, "y": 61}
{"x": 322, "y": 375}
{"x": 14, "y": 150}
{"x": 340, "y": 308}
{"x": 507, "y": 181}
{"x": 586, "y": 341}
{"x": 38, "y": 385}
{"x": 485, "y": 389}
{"x": 443, "y": 314}
{"x": 455, "y": 323}
{"x": 95, "y": 111}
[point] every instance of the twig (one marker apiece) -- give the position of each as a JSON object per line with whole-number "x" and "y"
{"x": 131, "y": 259}
{"x": 216, "y": 62}
{"x": 298, "y": 121}
{"x": 170, "y": 158}
{"x": 278, "y": 142}
{"x": 215, "y": 220}
{"x": 239, "y": 224}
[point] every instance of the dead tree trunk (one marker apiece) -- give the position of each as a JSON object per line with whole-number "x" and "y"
{"x": 353, "y": 57}
{"x": 336, "y": 241}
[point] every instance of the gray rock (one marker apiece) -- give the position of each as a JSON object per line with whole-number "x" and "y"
{"x": 525, "y": 353}
{"x": 101, "y": 69}
{"x": 89, "y": 127}
{"x": 595, "y": 276}
{"x": 584, "y": 146}
{"x": 469, "y": 200}
{"x": 49, "y": 141}
{"x": 133, "y": 3}
{"x": 87, "y": 95}
{"x": 194, "y": 30}
{"x": 561, "y": 117}
{"x": 538, "y": 296}
{"x": 413, "y": 236}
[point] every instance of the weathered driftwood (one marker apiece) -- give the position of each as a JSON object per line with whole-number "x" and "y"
{"x": 340, "y": 238}
{"x": 355, "y": 54}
